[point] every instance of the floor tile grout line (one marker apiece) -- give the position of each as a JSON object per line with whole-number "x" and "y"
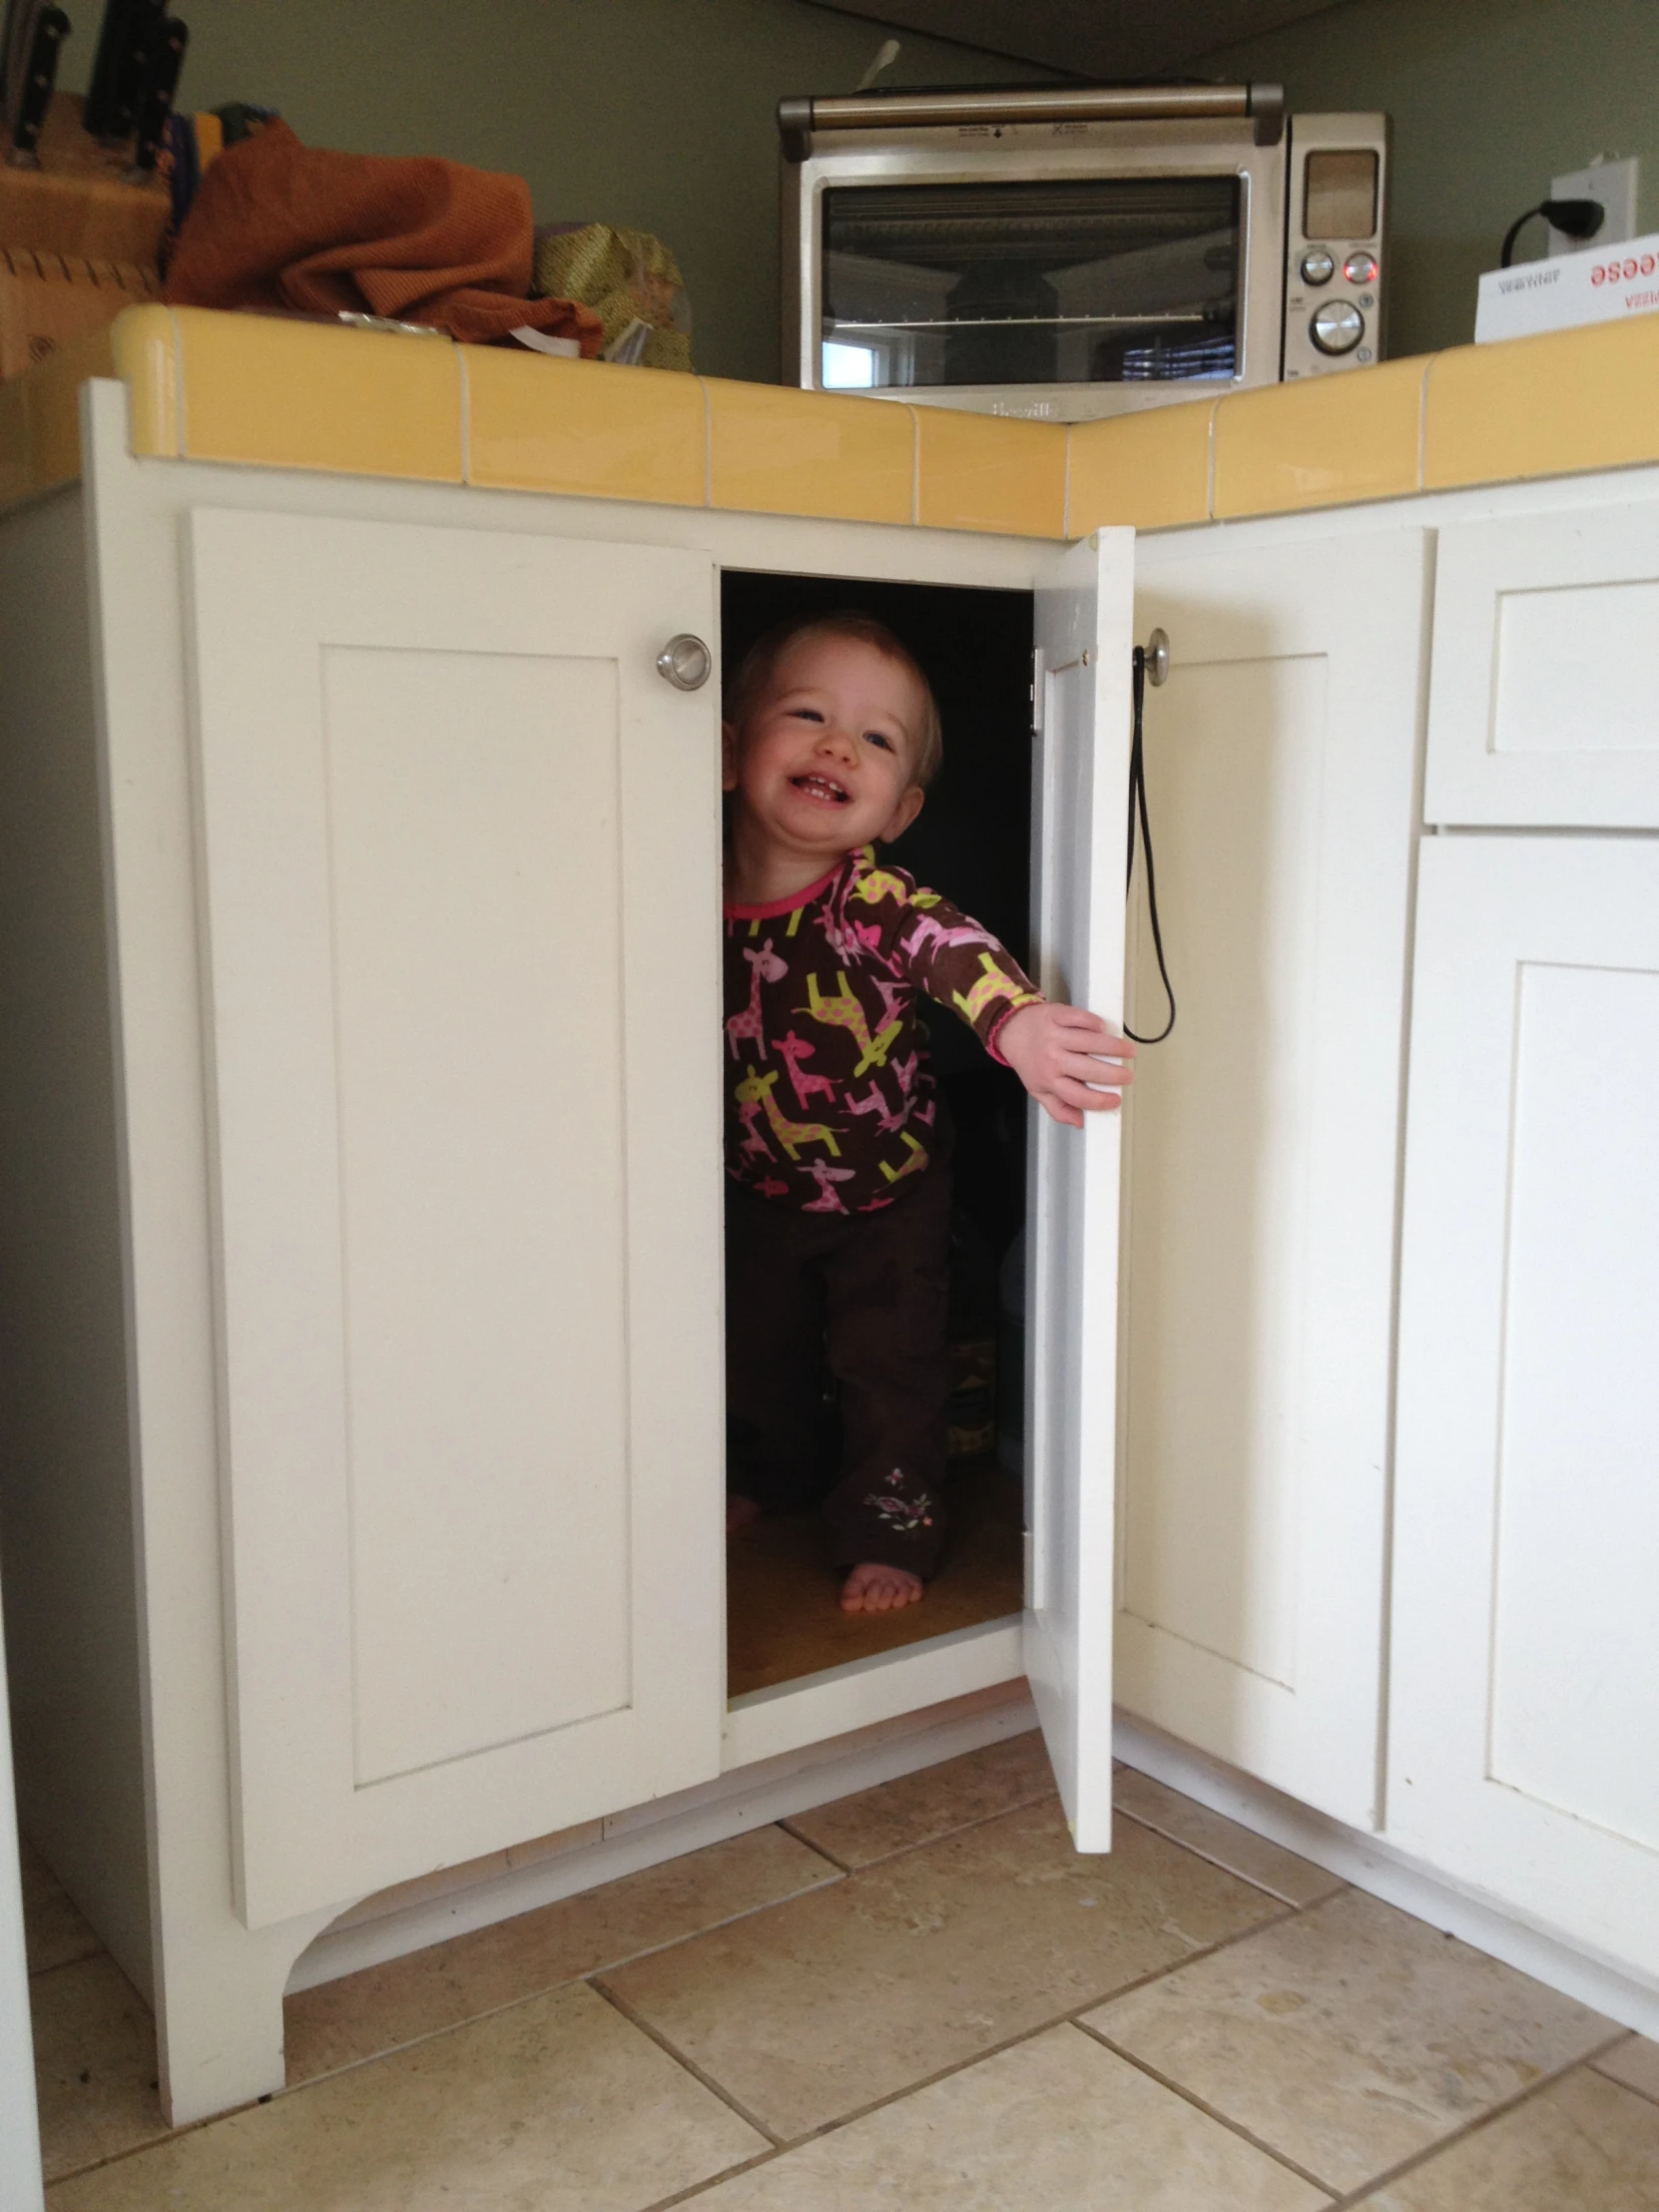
{"x": 1477, "y": 2125}
{"x": 1122, "y": 1813}
{"x": 1209, "y": 2111}
{"x": 843, "y": 1871}
{"x": 841, "y": 2120}
{"x": 983, "y": 1820}
{"x": 696, "y": 2189}
{"x": 39, "y": 1973}
{"x": 154, "y": 2142}
{"x": 547, "y": 1989}
{"x": 1630, "y": 2035}
{"x": 625, "y": 2011}
{"x": 925, "y": 1843}
{"x": 960, "y": 2065}
{"x": 1287, "y": 1909}
{"x": 789, "y": 1829}
{"x": 450, "y": 2028}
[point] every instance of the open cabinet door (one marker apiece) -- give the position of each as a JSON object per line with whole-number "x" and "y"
{"x": 1081, "y": 712}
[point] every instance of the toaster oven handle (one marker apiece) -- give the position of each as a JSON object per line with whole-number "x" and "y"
{"x": 1263, "y": 103}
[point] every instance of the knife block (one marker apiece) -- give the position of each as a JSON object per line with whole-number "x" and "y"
{"x": 77, "y": 202}
{"x": 46, "y": 299}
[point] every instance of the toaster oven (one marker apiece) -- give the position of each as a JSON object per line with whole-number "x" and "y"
{"x": 1071, "y": 252}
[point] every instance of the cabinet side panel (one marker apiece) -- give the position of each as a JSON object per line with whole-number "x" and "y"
{"x": 66, "y": 1510}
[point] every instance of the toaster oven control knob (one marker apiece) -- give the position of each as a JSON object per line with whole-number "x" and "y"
{"x": 1360, "y": 268}
{"x": 685, "y": 663}
{"x": 1316, "y": 267}
{"x": 1337, "y": 327}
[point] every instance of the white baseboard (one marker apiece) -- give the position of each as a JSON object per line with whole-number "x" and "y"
{"x": 1387, "y": 1872}
{"x": 751, "y": 1797}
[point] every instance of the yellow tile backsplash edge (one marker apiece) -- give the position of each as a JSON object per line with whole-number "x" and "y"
{"x": 268, "y": 393}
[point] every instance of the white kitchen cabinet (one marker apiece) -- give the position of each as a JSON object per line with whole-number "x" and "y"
{"x": 1541, "y": 709}
{"x": 1282, "y": 766}
{"x": 460, "y": 854}
{"x": 1526, "y": 1699}
{"x": 382, "y": 1242}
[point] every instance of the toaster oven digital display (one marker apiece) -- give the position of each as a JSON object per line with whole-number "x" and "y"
{"x": 1340, "y": 194}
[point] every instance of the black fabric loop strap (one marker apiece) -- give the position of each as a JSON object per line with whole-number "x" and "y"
{"x": 1138, "y": 813}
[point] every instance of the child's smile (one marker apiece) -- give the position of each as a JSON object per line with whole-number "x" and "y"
{"x": 822, "y": 788}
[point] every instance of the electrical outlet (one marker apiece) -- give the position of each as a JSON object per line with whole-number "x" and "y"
{"x": 1613, "y": 182}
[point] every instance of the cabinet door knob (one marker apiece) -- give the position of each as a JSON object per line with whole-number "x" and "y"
{"x": 685, "y": 663}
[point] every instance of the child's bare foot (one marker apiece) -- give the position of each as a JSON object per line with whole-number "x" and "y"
{"x": 872, "y": 1588}
{"x": 740, "y": 1514}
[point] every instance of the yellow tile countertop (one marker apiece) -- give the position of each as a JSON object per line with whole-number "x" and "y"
{"x": 262, "y": 391}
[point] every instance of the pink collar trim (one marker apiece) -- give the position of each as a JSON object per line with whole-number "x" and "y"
{"x": 788, "y": 905}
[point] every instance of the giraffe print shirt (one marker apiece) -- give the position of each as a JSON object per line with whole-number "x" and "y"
{"x": 829, "y": 1104}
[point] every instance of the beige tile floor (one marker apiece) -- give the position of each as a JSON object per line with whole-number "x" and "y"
{"x": 917, "y": 1996}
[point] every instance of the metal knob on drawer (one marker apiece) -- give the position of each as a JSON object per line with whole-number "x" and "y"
{"x": 685, "y": 663}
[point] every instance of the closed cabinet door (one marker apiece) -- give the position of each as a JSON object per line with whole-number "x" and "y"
{"x": 1261, "y": 1181}
{"x": 459, "y": 869}
{"x": 1525, "y": 1686}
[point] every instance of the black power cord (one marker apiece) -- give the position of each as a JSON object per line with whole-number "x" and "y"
{"x": 1138, "y": 815}
{"x": 1574, "y": 219}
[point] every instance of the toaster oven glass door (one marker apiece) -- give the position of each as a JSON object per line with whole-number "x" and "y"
{"x": 1086, "y": 281}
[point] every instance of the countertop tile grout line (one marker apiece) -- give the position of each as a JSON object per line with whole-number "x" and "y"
{"x": 653, "y": 2035}
{"x": 1210, "y": 2112}
{"x": 1481, "y": 2120}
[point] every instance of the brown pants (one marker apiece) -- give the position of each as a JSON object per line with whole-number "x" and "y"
{"x": 859, "y": 1299}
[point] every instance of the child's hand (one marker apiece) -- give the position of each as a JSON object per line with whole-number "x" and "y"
{"x": 1068, "y": 1059}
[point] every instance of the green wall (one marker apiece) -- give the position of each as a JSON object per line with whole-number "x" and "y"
{"x": 1490, "y": 99}
{"x": 651, "y": 113}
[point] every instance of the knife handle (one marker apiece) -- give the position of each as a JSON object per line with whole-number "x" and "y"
{"x": 165, "y": 60}
{"x": 132, "y": 69}
{"x": 40, "y": 75}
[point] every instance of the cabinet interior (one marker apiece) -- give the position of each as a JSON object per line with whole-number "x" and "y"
{"x": 972, "y": 841}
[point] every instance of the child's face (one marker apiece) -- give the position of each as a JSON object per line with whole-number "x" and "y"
{"x": 822, "y": 763}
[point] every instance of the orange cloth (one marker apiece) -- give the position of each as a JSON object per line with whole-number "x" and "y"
{"x": 280, "y": 225}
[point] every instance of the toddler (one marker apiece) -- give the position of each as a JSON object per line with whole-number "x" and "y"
{"x": 839, "y": 1203}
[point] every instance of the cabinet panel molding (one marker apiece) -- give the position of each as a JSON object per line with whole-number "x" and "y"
{"x": 1541, "y": 708}
{"x": 1264, "y": 1137}
{"x": 455, "y": 836}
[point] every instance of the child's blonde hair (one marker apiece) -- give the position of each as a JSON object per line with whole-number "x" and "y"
{"x": 756, "y": 667}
